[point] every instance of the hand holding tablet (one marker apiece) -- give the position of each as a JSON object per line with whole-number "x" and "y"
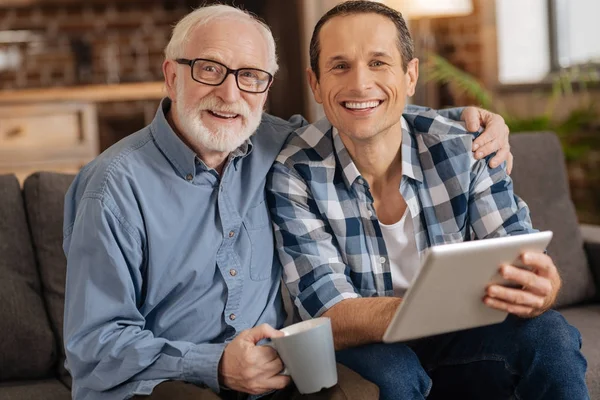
{"x": 446, "y": 295}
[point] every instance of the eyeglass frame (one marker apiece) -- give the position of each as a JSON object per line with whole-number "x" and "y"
{"x": 190, "y": 63}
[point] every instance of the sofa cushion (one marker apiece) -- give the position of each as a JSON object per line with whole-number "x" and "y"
{"x": 540, "y": 179}
{"x": 27, "y": 346}
{"x": 50, "y": 389}
{"x": 587, "y": 320}
{"x": 44, "y": 194}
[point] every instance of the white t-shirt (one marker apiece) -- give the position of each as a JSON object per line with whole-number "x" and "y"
{"x": 402, "y": 251}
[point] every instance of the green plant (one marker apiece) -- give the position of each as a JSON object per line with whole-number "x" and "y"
{"x": 572, "y": 130}
{"x": 579, "y": 130}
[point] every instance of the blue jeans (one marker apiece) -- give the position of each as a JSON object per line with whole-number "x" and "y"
{"x": 537, "y": 358}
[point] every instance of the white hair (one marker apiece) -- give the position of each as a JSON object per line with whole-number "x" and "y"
{"x": 203, "y": 15}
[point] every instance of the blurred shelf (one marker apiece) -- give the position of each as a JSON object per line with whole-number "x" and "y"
{"x": 89, "y": 93}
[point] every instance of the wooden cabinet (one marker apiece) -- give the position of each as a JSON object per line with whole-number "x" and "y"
{"x": 47, "y": 137}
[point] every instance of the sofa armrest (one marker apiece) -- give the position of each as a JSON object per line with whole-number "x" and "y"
{"x": 591, "y": 242}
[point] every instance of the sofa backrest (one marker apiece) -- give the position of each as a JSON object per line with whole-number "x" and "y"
{"x": 540, "y": 178}
{"x": 44, "y": 195}
{"x": 27, "y": 345}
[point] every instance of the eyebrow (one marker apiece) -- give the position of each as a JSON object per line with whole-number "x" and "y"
{"x": 379, "y": 54}
{"x": 339, "y": 57}
{"x": 216, "y": 58}
{"x": 334, "y": 59}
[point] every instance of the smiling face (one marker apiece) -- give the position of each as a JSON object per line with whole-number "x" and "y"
{"x": 218, "y": 118}
{"x": 362, "y": 84}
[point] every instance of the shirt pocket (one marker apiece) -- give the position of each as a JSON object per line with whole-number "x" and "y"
{"x": 260, "y": 233}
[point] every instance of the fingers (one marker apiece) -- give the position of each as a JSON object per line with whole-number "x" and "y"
{"x": 519, "y": 310}
{"x": 263, "y": 331}
{"x": 472, "y": 118}
{"x": 517, "y": 297}
{"x": 267, "y": 377}
{"x": 489, "y": 147}
{"x": 503, "y": 154}
{"x": 274, "y": 367}
{"x": 509, "y": 163}
{"x": 541, "y": 263}
{"x": 493, "y": 139}
{"x": 538, "y": 285}
{"x": 279, "y": 381}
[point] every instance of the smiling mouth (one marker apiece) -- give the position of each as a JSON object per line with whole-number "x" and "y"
{"x": 222, "y": 115}
{"x": 361, "y": 105}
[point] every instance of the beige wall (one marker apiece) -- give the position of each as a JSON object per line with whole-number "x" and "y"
{"x": 310, "y": 12}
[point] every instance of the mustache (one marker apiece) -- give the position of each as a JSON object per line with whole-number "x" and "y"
{"x": 213, "y": 103}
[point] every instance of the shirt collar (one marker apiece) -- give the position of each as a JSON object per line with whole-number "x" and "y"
{"x": 411, "y": 167}
{"x": 176, "y": 151}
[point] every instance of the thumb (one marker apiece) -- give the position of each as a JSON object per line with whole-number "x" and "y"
{"x": 472, "y": 117}
{"x": 263, "y": 331}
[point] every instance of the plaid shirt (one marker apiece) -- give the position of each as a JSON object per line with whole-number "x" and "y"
{"x": 328, "y": 237}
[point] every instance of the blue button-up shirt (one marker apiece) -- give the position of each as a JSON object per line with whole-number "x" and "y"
{"x": 167, "y": 261}
{"x": 327, "y": 232}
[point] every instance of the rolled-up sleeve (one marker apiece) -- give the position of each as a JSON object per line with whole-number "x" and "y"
{"x": 106, "y": 342}
{"x": 313, "y": 268}
{"x": 494, "y": 209}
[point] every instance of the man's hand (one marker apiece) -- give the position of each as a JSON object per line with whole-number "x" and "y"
{"x": 246, "y": 367}
{"x": 493, "y": 139}
{"x": 539, "y": 287}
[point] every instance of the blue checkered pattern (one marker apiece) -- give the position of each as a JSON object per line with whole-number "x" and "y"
{"x": 326, "y": 228}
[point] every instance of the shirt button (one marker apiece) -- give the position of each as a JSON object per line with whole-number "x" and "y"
{"x": 232, "y": 317}
{"x": 382, "y": 260}
{"x": 189, "y": 177}
{"x": 370, "y": 213}
{"x": 232, "y": 272}
{"x": 231, "y": 233}
{"x": 361, "y": 181}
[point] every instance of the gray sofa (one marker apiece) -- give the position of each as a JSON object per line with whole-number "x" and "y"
{"x": 32, "y": 268}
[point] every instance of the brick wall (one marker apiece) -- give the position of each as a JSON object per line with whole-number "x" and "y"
{"x": 85, "y": 42}
{"x": 468, "y": 43}
{"x": 62, "y": 43}
{"x": 458, "y": 39}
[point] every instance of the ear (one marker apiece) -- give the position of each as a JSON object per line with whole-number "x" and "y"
{"x": 266, "y": 95}
{"x": 412, "y": 75}
{"x": 169, "y": 68}
{"x": 313, "y": 81}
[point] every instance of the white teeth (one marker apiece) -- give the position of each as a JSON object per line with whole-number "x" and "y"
{"x": 362, "y": 105}
{"x": 223, "y": 114}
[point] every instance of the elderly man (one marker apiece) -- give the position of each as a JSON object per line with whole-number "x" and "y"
{"x": 171, "y": 279}
{"x": 357, "y": 197}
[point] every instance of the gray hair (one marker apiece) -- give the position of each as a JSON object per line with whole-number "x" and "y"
{"x": 203, "y": 15}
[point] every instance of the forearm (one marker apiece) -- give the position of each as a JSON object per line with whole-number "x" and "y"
{"x": 361, "y": 321}
{"x": 125, "y": 357}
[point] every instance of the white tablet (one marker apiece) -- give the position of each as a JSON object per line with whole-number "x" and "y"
{"x": 446, "y": 295}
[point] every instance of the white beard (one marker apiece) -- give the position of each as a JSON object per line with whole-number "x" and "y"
{"x": 222, "y": 139}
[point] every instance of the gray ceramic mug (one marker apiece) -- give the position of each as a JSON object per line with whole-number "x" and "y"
{"x": 308, "y": 355}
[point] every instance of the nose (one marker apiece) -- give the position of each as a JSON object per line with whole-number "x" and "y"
{"x": 360, "y": 78}
{"x": 228, "y": 91}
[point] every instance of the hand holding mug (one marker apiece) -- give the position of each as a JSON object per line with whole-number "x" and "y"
{"x": 246, "y": 367}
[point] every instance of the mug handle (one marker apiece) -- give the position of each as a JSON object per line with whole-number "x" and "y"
{"x": 284, "y": 371}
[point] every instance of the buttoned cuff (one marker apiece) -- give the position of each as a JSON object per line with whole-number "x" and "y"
{"x": 201, "y": 364}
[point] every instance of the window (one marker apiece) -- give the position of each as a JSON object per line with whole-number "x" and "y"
{"x": 536, "y": 37}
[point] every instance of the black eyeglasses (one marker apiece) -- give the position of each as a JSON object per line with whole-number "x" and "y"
{"x": 213, "y": 73}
